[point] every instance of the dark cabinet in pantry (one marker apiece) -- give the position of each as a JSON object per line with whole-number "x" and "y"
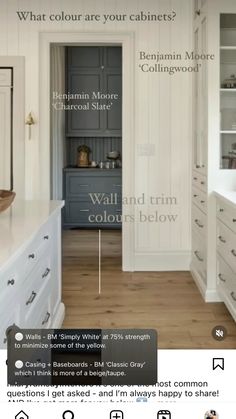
{"x": 93, "y": 72}
{"x": 92, "y": 198}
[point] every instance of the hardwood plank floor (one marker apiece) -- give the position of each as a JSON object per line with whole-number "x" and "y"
{"x": 166, "y": 301}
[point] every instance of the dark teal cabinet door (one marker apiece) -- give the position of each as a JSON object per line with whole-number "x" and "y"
{"x": 80, "y": 119}
{"x": 84, "y": 58}
{"x": 113, "y": 116}
{"x": 82, "y": 209}
{"x": 92, "y": 72}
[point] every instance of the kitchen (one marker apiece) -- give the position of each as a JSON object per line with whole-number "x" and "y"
{"x": 150, "y": 261}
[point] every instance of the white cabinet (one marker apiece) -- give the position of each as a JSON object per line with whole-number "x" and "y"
{"x": 200, "y": 153}
{"x": 213, "y": 131}
{"x": 199, "y": 7}
{"x": 226, "y": 251}
{"x": 228, "y": 91}
{"x": 6, "y": 128}
{"x": 30, "y": 266}
{"x": 200, "y": 113}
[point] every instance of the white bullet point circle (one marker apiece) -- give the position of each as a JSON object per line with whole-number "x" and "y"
{"x": 19, "y": 364}
{"x": 19, "y": 336}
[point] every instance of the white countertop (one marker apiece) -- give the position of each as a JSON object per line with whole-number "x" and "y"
{"x": 20, "y": 222}
{"x": 229, "y": 196}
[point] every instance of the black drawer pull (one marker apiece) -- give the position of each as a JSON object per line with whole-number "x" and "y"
{"x": 198, "y": 12}
{"x": 31, "y": 256}
{"x": 11, "y": 282}
{"x": 195, "y": 196}
{"x": 46, "y": 319}
{"x": 202, "y": 202}
{"x": 221, "y": 239}
{"x": 198, "y": 223}
{"x": 233, "y": 295}
{"x": 46, "y": 237}
{"x": 221, "y": 209}
{"x": 195, "y": 178}
{"x": 233, "y": 251}
{"x": 234, "y": 220}
{"x": 31, "y": 299}
{"x": 202, "y": 182}
{"x": 46, "y": 273}
{"x": 220, "y": 276}
{"x": 197, "y": 256}
{"x": 198, "y": 166}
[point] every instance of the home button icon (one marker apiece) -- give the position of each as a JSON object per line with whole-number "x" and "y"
{"x": 21, "y": 415}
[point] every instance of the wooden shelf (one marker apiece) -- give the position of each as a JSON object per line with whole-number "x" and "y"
{"x": 222, "y": 89}
{"x": 228, "y": 48}
{"x": 228, "y": 132}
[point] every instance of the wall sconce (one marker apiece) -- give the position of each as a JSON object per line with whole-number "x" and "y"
{"x": 30, "y": 121}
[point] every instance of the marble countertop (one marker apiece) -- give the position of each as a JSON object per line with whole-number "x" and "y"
{"x": 20, "y": 222}
{"x": 228, "y": 196}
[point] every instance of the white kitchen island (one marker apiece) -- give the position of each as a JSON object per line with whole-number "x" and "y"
{"x": 226, "y": 248}
{"x": 30, "y": 266}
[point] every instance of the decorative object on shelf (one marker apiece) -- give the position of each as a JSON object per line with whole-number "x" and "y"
{"x": 83, "y": 155}
{"x": 30, "y": 121}
{"x": 6, "y": 199}
{"x": 115, "y": 158}
{"x": 113, "y": 155}
{"x": 229, "y": 83}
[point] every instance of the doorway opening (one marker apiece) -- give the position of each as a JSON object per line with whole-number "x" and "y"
{"x": 86, "y": 157}
{"x": 126, "y": 40}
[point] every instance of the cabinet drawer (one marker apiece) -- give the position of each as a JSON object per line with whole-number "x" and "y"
{"x": 81, "y": 212}
{"x": 9, "y": 282}
{"x": 226, "y": 213}
{"x": 199, "y": 181}
{"x": 41, "y": 316}
{"x": 34, "y": 287}
{"x": 226, "y": 244}
{"x": 15, "y": 276}
{"x": 20, "y": 269}
{"x": 225, "y": 275}
{"x": 199, "y": 199}
{"x": 81, "y": 185}
{"x": 34, "y": 251}
{"x": 226, "y": 284}
{"x": 199, "y": 255}
{"x": 6, "y": 321}
{"x": 199, "y": 220}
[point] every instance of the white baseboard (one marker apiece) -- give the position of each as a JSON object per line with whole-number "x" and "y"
{"x": 209, "y": 296}
{"x": 162, "y": 261}
{"x": 212, "y": 296}
{"x": 58, "y": 317}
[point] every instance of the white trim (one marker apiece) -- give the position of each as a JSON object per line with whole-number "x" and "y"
{"x": 126, "y": 40}
{"x": 18, "y": 65}
{"x": 209, "y": 295}
{"x": 163, "y": 261}
{"x": 229, "y": 304}
{"x": 58, "y": 317}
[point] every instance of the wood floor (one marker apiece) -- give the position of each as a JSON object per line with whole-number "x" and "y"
{"x": 166, "y": 301}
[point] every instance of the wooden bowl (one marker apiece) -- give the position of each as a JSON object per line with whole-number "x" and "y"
{"x": 6, "y": 198}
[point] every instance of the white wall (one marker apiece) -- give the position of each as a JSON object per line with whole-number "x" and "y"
{"x": 162, "y": 111}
